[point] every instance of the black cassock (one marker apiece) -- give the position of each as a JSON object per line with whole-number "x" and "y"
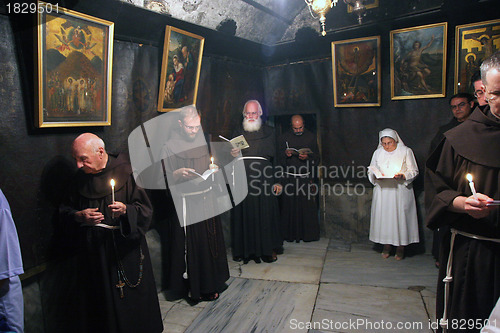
{"x": 207, "y": 268}
{"x": 473, "y": 147}
{"x": 255, "y": 228}
{"x": 299, "y": 209}
{"x": 108, "y": 256}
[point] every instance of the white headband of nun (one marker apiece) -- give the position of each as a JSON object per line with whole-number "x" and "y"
{"x": 388, "y": 132}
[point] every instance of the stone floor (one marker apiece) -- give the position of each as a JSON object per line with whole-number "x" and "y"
{"x": 324, "y": 286}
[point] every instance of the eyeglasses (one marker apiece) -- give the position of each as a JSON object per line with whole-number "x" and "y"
{"x": 251, "y": 113}
{"x": 459, "y": 106}
{"x": 192, "y": 128}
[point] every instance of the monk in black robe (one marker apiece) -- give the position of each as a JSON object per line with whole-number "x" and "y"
{"x": 198, "y": 260}
{"x": 255, "y": 232}
{"x": 461, "y": 105}
{"x": 474, "y": 259}
{"x": 116, "y": 288}
{"x": 299, "y": 209}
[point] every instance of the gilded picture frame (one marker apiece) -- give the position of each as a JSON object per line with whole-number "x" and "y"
{"x": 180, "y": 69}
{"x": 369, "y": 4}
{"x": 418, "y": 62}
{"x": 73, "y": 69}
{"x": 473, "y": 43}
{"x": 356, "y": 72}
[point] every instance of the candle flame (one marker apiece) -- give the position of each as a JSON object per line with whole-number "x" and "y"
{"x": 469, "y": 177}
{"x": 112, "y": 182}
{"x": 212, "y": 159}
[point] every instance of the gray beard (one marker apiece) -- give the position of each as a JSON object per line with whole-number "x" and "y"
{"x": 253, "y": 126}
{"x": 188, "y": 138}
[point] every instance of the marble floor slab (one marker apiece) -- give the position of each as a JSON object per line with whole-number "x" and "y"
{"x": 178, "y": 315}
{"x": 363, "y": 266}
{"x": 300, "y": 262}
{"x": 354, "y": 308}
{"x": 325, "y": 283}
{"x": 257, "y": 306}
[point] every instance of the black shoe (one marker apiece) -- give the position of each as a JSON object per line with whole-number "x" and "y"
{"x": 257, "y": 260}
{"x": 245, "y": 261}
{"x": 237, "y": 259}
{"x": 279, "y": 250}
{"x": 269, "y": 259}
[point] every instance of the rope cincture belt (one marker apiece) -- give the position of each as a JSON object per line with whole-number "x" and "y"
{"x": 443, "y": 322}
{"x": 246, "y": 158}
{"x": 184, "y": 217}
{"x": 302, "y": 175}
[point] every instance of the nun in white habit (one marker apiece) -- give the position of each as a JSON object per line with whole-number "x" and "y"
{"x": 394, "y": 214}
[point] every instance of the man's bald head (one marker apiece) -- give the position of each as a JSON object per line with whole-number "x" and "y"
{"x": 297, "y": 124}
{"x": 89, "y": 153}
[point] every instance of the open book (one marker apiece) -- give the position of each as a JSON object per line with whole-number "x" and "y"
{"x": 300, "y": 151}
{"x": 203, "y": 176}
{"x": 238, "y": 142}
{"x": 377, "y": 173}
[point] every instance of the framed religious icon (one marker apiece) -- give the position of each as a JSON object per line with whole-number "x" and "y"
{"x": 73, "y": 67}
{"x": 418, "y": 62}
{"x": 356, "y": 72}
{"x": 180, "y": 69}
{"x": 473, "y": 43}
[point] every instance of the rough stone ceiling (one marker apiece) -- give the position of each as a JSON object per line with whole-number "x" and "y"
{"x": 263, "y": 21}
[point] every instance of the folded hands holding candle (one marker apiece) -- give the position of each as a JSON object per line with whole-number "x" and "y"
{"x": 118, "y": 208}
{"x": 475, "y": 205}
{"x": 476, "y": 208}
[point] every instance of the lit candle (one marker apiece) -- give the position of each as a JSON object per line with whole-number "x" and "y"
{"x": 471, "y": 184}
{"x": 212, "y": 164}
{"x": 112, "y": 182}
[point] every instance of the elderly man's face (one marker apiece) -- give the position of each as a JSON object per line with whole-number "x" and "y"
{"x": 87, "y": 158}
{"x": 461, "y": 108}
{"x": 191, "y": 126}
{"x": 252, "y": 112}
{"x": 492, "y": 91}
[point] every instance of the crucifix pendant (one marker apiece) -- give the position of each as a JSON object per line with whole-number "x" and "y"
{"x": 121, "y": 285}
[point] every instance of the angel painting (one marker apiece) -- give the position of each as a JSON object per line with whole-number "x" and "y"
{"x": 418, "y": 62}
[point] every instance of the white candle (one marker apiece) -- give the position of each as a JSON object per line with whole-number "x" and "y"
{"x": 112, "y": 182}
{"x": 471, "y": 184}
{"x": 212, "y": 164}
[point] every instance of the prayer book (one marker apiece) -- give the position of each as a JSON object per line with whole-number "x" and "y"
{"x": 238, "y": 142}
{"x": 378, "y": 174}
{"x": 203, "y": 176}
{"x": 300, "y": 151}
